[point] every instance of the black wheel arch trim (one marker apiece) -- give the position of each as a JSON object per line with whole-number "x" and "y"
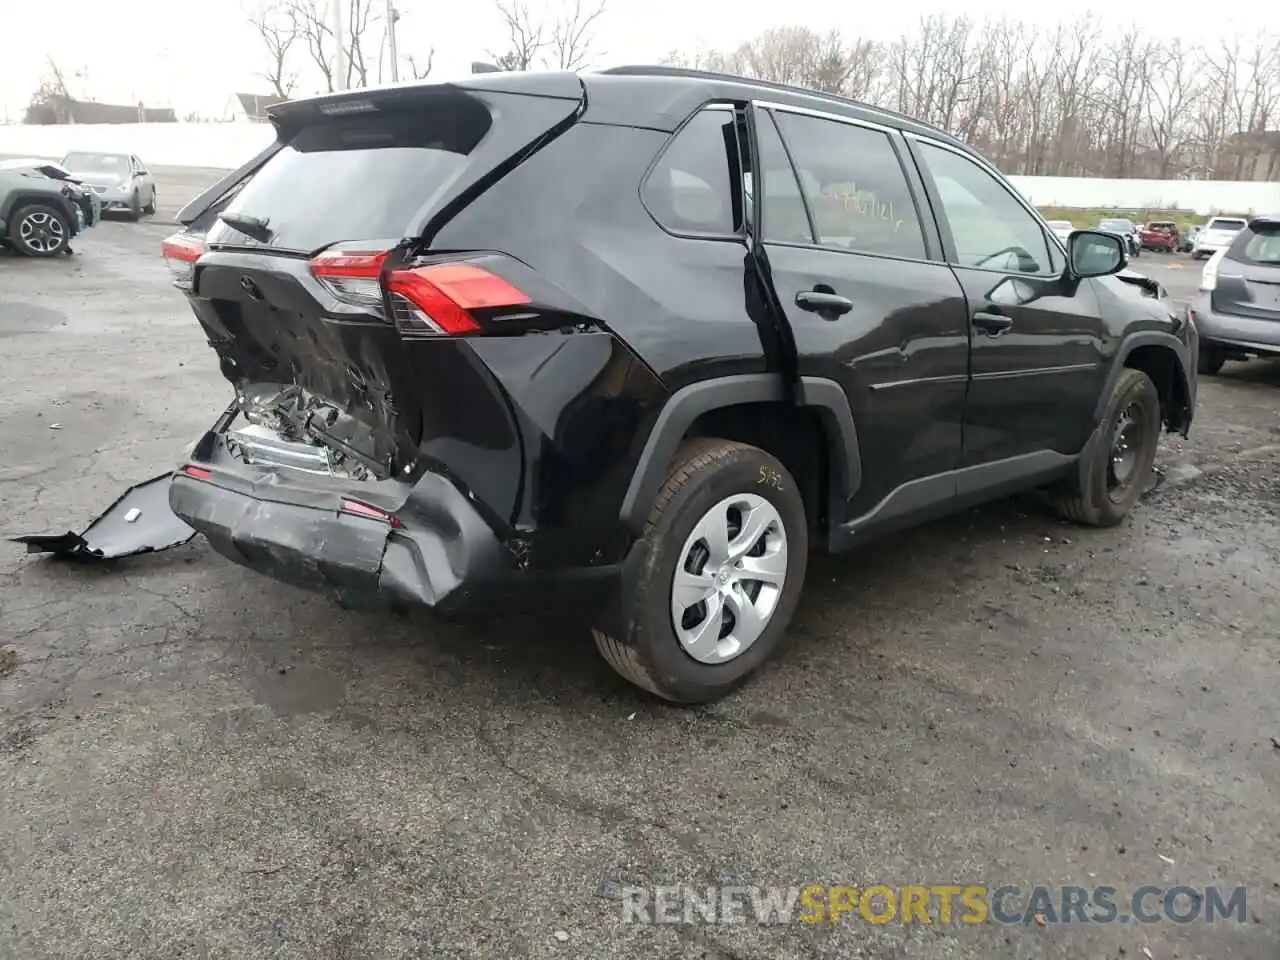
{"x": 683, "y": 407}
{"x": 20, "y": 199}
{"x": 1146, "y": 338}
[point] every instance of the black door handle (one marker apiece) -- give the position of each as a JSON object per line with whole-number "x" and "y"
{"x": 827, "y": 305}
{"x": 992, "y": 323}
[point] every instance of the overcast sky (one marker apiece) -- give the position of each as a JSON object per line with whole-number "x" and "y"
{"x": 193, "y": 57}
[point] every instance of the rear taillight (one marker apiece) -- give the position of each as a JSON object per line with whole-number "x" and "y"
{"x": 433, "y": 300}
{"x": 181, "y": 252}
{"x": 351, "y": 277}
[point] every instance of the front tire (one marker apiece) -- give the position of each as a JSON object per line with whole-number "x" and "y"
{"x": 726, "y": 548}
{"x": 135, "y": 207}
{"x": 1113, "y": 469}
{"x": 150, "y": 208}
{"x": 39, "y": 230}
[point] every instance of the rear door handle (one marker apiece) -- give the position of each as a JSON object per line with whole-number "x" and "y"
{"x": 827, "y": 305}
{"x": 992, "y": 323}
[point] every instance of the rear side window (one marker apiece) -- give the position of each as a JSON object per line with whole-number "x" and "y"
{"x": 1259, "y": 244}
{"x": 356, "y": 178}
{"x": 1231, "y": 225}
{"x": 854, "y": 186}
{"x": 691, "y": 188}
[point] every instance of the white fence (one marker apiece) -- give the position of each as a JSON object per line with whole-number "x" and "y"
{"x": 227, "y": 145}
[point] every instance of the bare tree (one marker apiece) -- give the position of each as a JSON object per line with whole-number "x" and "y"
{"x": 526, "y": 37}
{"x": 571, "y": 33}
{"x": 1061, "y": 101}
{"x": 278, "y": 29}
{"x": 315, "y": 30}
{"x": 424, "y": 71}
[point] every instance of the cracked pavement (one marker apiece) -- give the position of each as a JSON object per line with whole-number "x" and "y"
{"x": 196, "y": 762}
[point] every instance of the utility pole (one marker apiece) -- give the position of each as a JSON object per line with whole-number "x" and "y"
{"x": 392, "y": 17}
{"x": 340, "y": 43}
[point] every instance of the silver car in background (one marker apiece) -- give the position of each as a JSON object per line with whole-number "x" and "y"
{"x": 1216, "y": 235}
{"x": 120, "y": 180}
{"x": 1061, "y": 228}
{"x": 1237, "y": 310}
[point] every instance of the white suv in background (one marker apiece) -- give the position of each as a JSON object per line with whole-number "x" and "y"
{"x": 1217, "y": 235}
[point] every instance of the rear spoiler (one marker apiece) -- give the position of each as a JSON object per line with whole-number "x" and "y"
{"x": 552, "y": 103}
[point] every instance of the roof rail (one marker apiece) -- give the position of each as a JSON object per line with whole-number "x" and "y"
{"x": 647, "y": 70}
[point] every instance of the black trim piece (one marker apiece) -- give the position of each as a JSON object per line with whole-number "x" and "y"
{"x": 689, "y": 403}
{"x": 942, "y": 493}
{"x": 795, "y": 175}
{"x": 1035, "y": 371}
{"x": 1156, "y": 338}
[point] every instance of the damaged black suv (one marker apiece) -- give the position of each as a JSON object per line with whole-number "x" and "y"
{"x": 638, "y": 341}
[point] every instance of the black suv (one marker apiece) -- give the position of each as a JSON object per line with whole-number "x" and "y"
{"x": 638, "y": 340}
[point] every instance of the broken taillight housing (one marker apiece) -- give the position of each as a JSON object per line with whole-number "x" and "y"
{"x": 181, "y": 251}
{"x": 432, "y": 300}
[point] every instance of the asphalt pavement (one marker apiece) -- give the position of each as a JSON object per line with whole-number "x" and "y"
{"x": 198, "y": 762}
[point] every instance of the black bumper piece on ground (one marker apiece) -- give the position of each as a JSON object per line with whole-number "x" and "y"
{"x": 141, "y": 521}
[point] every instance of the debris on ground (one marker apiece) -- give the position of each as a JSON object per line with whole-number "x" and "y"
{"x": 139, "y": 522}
{"x": 8, "y": 660}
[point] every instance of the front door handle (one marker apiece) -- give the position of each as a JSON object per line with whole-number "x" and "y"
{"x": 826, "y": 305}
{"x": 992, "y": 324}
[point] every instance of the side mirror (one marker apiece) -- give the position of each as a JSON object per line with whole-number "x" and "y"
{"x": 1096, "y": 254}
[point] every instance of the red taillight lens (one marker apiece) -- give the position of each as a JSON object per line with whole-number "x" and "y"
{"x": 180, "y": 253}
{"x": 358, "y": 508}
{"x": 432, "y": 300}
{"x": 197, "y": 473}
{"x": 441, "y": 297}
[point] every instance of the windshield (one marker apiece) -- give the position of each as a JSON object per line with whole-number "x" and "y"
{"x": 358, "y": 178}
{"x": 1232, "y": 225}
{"x": 1123, "y": 225}
{"x": 97, "y": 162}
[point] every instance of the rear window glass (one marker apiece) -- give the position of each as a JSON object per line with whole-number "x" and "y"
{"x": 357, "y": 178}
{"x": 1259, "y": 244}
{"x": 1226, "y": 225}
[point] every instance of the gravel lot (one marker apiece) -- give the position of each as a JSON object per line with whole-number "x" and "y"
{"x": 196, "y": 762}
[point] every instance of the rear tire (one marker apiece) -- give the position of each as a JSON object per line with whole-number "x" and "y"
{"x": 1113, "y": 469}
{"x": 716, "y": 647}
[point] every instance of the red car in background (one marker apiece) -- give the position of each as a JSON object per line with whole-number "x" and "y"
{"x": 1159, "y": 235}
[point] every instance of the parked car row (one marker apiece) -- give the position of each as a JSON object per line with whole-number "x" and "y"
{"x": 43, "y": 207}
{"x": 1165, "y": 236}
{"x": 44, "y": 204}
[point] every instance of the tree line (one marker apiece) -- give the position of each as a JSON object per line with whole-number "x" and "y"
{"x": 1068, "y": 101}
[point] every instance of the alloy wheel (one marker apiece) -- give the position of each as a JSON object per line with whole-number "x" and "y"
{"x": 42, "y": 232}
{"x": 729, "y": 578}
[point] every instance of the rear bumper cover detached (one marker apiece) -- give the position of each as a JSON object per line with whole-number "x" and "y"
{"x": 442, "y": 554}
{"x": 439, "y": 557}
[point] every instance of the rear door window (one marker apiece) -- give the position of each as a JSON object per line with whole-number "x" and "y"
{"x": 1231, "y": 225}
{"x": 692, "y": 188}
{"x": 355, "y": 178}
{"x": 853, "y": 185}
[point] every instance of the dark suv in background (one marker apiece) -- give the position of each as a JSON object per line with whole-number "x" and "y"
{"x": 636, "y": 342}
